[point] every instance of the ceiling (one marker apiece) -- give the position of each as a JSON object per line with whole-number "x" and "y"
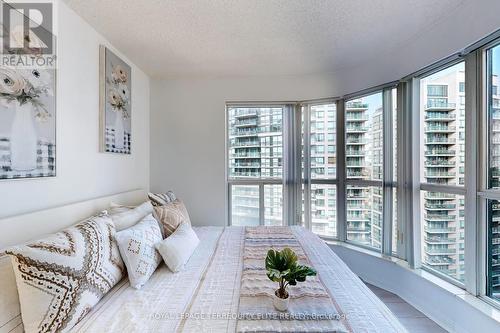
{"x": 169, "y": 38}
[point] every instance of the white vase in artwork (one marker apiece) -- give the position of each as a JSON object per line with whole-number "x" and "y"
{"x": 119, "y": 131}
{"x": 23, "y": 139}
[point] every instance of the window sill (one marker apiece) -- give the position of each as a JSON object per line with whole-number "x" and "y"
{"x": 483, "y": 304}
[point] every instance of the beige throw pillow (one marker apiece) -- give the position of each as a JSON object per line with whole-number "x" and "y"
{"x": 171, "y": 215}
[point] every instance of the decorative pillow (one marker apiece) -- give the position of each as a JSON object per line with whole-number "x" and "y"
{"x": 178, "y": 248}
{"x": 160, "y": 199}
{"x": 61, "y": 277}
{"x": 171, "y": 215}
{"x": 127, "y": 218}
{"x": 137, "y": 247}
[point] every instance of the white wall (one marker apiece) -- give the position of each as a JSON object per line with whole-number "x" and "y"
{"x": 83, "y": 172}
{"x": 188, "y": 133}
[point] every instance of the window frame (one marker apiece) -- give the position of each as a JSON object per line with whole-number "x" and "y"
{"x": 287, "y": 113}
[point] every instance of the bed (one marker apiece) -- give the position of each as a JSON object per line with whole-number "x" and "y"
{"x": 205, "y": 296}
{"x": 221, "y": 288}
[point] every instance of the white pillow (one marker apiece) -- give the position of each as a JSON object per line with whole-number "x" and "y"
{"x": 177, "y": 248}
{"x": 137, "y": 247}
{"x": 128, "y": 218}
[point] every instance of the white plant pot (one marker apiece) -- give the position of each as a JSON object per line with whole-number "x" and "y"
{"x": 119, "y": 131}
{"x": 281, "y": 304}
{"x": 23, "y": 139}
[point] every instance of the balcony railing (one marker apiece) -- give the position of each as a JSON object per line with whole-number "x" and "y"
{"x": 440, "y": 174}
{"x": 356, "y": 105}
{"x": 440, "y": 116}
{"x": 438, "y": 152}
{"x": 440, "y": 217}
{"x": 440, "y": 140}
{"x": 437, "y": 128}
{"x": 436, "y": 104}
{"x": 356, "y": 128}
{"x": 439, "y": 251}
{"x": 354, "y": 152}
{"x": 439, "y": 229}
{"x": 430, "y": 205}
{"x": 439, "y": 162}
{"x": 437, "y": 239}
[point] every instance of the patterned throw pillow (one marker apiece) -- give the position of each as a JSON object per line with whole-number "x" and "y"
{"x": 171, "y": 216}
{"x": 137, "y": 247}
{"x": 61, "y": 277}
{"x": 160, "y": 199}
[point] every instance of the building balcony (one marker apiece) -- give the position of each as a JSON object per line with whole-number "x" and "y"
{"x": 439, "y": 230}
{"x": 358, "y": 106}
{"x": 354, "y": 152}
{"x": 439, "y": 105}
{"x": 439, "y": 260}
{"x": 440, "y": 141}
{"x": 440, "y": 206}
{"x": 440, "y": 217}
{"x": 356, "y": 129}
{"x": 440, "y": 116}
{"x": 439, "y": 163}
{"x": 440, "y": 129}
{"x": 439, "y": 196}
{"x": 440, "y": 240}
{"x": 431, "y": 174}
{"x": 440, "y": 152}
{"x": 242, "y": 113}
{"x": 438, "y": 251}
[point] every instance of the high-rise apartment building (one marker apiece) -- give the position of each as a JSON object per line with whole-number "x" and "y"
{"x": 256, "y": 152}
{"x": 443, "y": 155}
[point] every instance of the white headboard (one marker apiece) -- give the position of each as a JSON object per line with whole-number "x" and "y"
{"x": 26, "y": 227}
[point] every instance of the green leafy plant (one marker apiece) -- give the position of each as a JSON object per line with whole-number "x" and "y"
{"x": 282, "y": 267}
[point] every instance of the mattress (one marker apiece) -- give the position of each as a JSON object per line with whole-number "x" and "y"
{"x": 204, "y": 297}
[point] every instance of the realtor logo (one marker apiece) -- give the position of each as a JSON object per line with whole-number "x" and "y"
{"x": 27, "y": 28}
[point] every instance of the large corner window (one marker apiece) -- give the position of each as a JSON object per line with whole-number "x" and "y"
{"x": 255, "y": 164}
{"x": 442, "y": 171}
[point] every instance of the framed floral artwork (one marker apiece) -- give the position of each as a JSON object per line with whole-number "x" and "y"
{"x": 115, "y": 103}
{"x": 27, "y": 122}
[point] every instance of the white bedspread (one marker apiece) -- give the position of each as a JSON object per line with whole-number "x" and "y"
{"x": 204, "y": 296}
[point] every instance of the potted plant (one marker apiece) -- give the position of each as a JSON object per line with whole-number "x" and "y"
{"x": 282, "y": 267}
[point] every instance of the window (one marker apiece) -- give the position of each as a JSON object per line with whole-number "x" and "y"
{"x": 442, "y": 147}
{"x": 368, "y": 171}
{"x": 255, "y": 170}
{"x": 493, "y": 211}
{"x": 319, "y": 209}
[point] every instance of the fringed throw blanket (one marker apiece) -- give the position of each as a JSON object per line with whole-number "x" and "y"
{"x": 311, "y": 308}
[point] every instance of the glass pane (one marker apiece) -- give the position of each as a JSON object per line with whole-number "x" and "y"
{"x": 255, "y": 142}
{"x": 364, "y": 138}
{"x": 324, "y": 210}
{"x": 244, "y": 205}
{"x": 394, "y": 94}
{"x": 323, "y": 141}
{"x": 443, "y": 233}
{"x": 273, "y": 204}
{"x": 442, "y": 105}
{"x": 494, "y": 116}
{"x": 493, "y": 256}
{"x": 395, "y": 229}
{"x": 364, "y": 206}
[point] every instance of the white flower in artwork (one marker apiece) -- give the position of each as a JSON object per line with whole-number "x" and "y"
{"x": 119, "y": 74}
{"x": 115, "y": 99}
{"x": 124, "y": 92}
{"x": 12, "y": 83}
